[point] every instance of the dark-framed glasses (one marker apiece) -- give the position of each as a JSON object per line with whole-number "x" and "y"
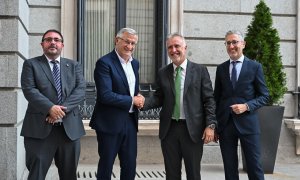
{"x": 50, "y": 39}
{"x": 234, "y": 43}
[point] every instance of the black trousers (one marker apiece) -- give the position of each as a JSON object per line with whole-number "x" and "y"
{"x": 178, "y": 145}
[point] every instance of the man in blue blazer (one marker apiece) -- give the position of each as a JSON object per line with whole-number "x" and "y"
{"x": 52, "y": 125}
{"x": 115, "y": 117}
{"x": 240, "y": 89}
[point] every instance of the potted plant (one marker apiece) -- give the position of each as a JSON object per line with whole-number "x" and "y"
{"x": 262, "y": 45}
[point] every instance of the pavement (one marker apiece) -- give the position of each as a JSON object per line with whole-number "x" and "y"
{"x": 156, "y": 172}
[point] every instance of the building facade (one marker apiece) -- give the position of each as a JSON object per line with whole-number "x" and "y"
{"x": 203, "y": 23}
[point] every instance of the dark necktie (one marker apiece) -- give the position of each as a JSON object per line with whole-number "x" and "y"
{"x": 233, "y": 74}
{"x": 176, "y": 113}
{"x": 56, "y": 77}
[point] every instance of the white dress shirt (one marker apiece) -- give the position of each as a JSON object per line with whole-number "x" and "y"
{"x": 127, "y": 67}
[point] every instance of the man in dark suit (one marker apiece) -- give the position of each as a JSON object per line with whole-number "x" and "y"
{"x": 240, "y": 90}
{"x": 115, "y": 117}
{"x": 52, "y": 127}
{"x": 187, "y": 117}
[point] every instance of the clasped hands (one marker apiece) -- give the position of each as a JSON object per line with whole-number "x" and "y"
{"x": 56, "y": 112}
{"x": 139, "y": 101}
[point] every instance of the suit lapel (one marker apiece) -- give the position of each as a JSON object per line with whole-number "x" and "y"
{"x": 188, "y": 76}
{"x": 226, "y": 72}
{"x": 46, "y": 68}
{"x": 135, "y": 67}
{"x": 170, "y": 77}
{"x": 243, "y": 72}
{"x": 120, "y": 70}
{"x": 64, "y": 67}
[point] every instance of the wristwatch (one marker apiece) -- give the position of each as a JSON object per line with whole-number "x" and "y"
{"x": 212, "y": 126}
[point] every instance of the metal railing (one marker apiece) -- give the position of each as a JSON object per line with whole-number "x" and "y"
{"x": 86, "y": 112}
{"x": 87, "y": 107}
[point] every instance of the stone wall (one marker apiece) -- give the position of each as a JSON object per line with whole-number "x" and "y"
{"x": 21, "y": 25}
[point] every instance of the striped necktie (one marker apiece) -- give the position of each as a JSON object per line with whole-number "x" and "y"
{"x": 56, "y": 77}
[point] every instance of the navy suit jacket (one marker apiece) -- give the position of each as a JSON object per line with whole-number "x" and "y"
{"x": 198, "y": 100}
{"x": 39, "y": 89}
{"x": 250, "y": 88}
{"x": 113, "y": 95}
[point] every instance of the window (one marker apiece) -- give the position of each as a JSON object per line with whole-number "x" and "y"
{"x": 99, "y": 20}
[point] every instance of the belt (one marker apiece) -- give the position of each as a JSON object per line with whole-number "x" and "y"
{"x": 179, "y": 120}
{"x": 58, "y": 124}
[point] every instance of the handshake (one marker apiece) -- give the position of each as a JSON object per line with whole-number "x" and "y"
{"x": 139, "y": 101}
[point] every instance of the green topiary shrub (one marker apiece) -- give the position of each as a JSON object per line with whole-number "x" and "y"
{"x": 262, "y": 44}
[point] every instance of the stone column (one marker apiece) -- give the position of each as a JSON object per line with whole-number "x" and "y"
{"x": 14, "y": 49}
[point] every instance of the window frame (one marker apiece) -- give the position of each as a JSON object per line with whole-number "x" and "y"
{"x": 161, "y": 30}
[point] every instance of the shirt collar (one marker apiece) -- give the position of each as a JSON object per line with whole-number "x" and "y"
{"x": 241, "y": 59}
{"x": 57, "y": 59}
{"x": 182, "y": 65}
{"x": 123, "y": 60}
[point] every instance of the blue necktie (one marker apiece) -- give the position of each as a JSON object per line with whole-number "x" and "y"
{"x": 233, "y": 74}
{"x": 56, "y": 77}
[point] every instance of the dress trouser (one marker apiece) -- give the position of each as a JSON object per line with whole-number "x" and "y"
{"x": 177, "y": 145}
{"x": 124, "y": 145}
{"x": 229, "y": 148}
{"x": 40, "y": 154}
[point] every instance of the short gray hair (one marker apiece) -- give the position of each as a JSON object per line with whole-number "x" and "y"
{"x": 123, "y": 30}
{"x": 176, "y": 34}
{"x": 235, "y": 32}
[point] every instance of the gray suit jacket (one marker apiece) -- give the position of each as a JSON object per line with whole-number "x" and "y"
{"x": 198, "y": 99}
{"x": 39, "y": 89}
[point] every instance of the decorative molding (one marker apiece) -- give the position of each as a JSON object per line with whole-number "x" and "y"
{"x": 294, "y": 125}
{"x": 176, "y": 16}
{"x": 69, "y": 28}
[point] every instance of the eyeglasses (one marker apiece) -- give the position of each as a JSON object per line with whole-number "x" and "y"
{"x": 234, "y": 43}
{"x": 49, "y": 40}
{"x": 128, "y": 42}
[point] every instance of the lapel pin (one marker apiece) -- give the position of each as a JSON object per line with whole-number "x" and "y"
{"x": 67, "y": 65}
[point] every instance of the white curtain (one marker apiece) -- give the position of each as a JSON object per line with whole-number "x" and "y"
{"x": 99, "y": 32}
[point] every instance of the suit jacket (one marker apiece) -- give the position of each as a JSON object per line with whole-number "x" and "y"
{"x": 113, "y": 95}
{"x": 39, "y": 89}
{"x": 198, "y": 101}
{"x": 250, "y": 88}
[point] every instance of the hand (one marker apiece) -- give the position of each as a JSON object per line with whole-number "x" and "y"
{"x": 208, "y": 135}
{"x": 216, "y": 137}
{"x": 139, "y": 101}
{"x": 56, "y": 112}
{"x": 50, "y": 120}
{"x": 239, "y": 108}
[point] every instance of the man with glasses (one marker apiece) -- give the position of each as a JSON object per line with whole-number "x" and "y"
{"x": 115, "y": 116}
{"x": 54, "y": 87}
{"x": 240, "y": 89}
